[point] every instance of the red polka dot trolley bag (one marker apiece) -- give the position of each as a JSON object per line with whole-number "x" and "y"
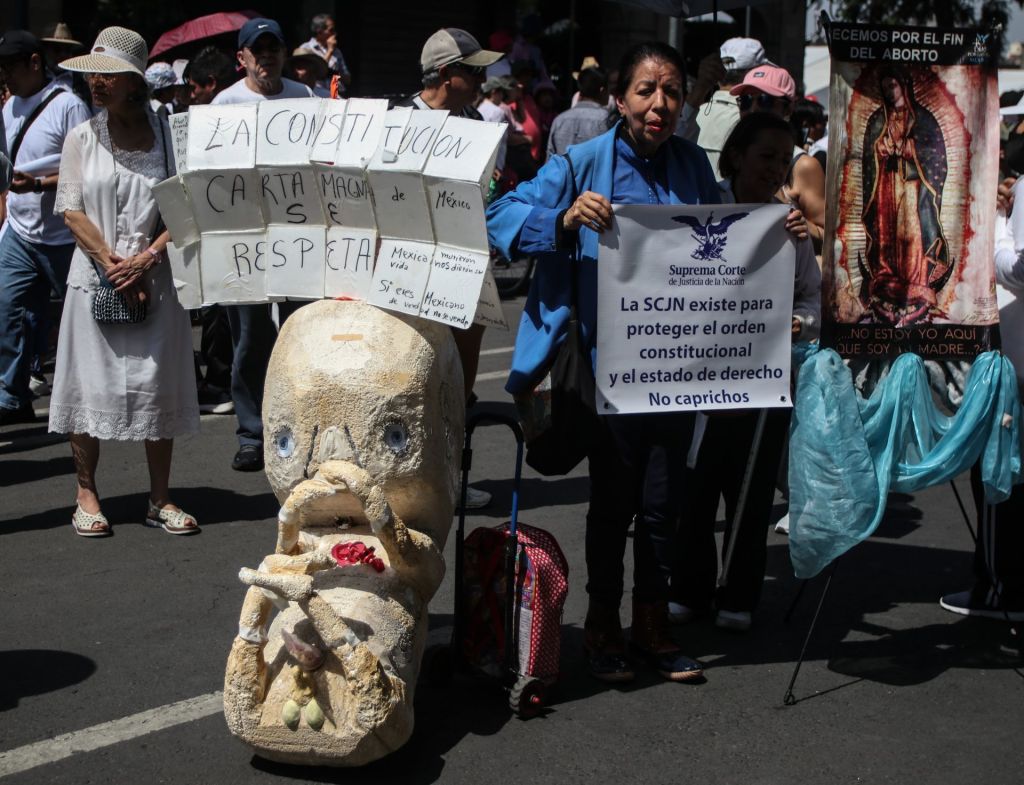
{"x": 511, "y": 585}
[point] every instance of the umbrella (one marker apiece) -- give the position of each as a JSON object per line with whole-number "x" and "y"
{"x": 202, "y": 27}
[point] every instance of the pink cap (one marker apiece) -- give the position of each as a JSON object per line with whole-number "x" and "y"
{"x": 768, "y": 79}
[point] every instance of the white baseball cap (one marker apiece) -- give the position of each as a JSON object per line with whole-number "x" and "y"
{"x": 742, "y": 54}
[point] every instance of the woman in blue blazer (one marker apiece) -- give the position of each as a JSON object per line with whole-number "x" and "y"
{"x": 636, "y": 467}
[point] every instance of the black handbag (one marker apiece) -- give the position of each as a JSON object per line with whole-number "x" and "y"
{"x": 110, "y": 307}
{"x": 558, "y": 416}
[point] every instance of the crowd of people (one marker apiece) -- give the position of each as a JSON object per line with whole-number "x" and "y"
{"x": 78, "y": 166}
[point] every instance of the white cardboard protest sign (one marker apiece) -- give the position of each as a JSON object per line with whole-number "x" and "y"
{"x": 222, "y": 136}
{"x": 489, "y": 312}
{"x": 394, "y": 173}
{"x": 179, "y": 140}
{"x": 345, "y": 197}
{"x": 458, "y": 211}
{"x": 286, "y": 130}
{"x": 295, "y": 261}
{"x": 290, "y": 195}
{"x": 329, "y": 123}
{"x": 176, "y": 211}
{"x": 401, "y": 205}
{"x": 400, "y": 277}
{"x": 225, "y": 201}
{"x": 360, "y": 132}
{"x": 453, "y": 288}
{"x": 460, "y": 164}
{"x": 349, "y": 260}
{"x": 695, "y": 306}
{"x": 185, "y": 271}
{"x": 233, "y": 267}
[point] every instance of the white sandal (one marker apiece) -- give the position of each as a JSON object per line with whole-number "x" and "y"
{"x": 171, "y": 521}
{"x": 89, "y": 524}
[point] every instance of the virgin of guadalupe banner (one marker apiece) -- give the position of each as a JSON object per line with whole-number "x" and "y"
{"x": 913, "y": 158}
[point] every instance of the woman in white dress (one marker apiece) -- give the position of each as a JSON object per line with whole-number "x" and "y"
{"x": 127, "y": 381}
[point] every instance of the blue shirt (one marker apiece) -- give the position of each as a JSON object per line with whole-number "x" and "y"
{"x": 526, "y": 221}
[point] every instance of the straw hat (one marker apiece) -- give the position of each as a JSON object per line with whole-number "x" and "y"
{"x": 62, "y": 37}
{"x": 588, "y": 62}
{"x": 312, "y": 60}
{"x": 117, "y": 50}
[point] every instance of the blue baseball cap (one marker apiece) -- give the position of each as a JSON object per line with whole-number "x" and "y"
{"x": 254, "y": 28}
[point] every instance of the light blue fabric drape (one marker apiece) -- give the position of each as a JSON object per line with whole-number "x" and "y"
{"x": 847, "y": 453}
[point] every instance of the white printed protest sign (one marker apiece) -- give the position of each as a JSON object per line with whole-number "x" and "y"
{"x": 222, "y": 136}
{"x": 188, "y": 283}
{"x": 290, "y": 195}
{"x": 329, "y": 123}
{"x": 295, "y": 261}
{"x": 176, "y": 211}
{"x": 233, "y": 267}
{"x": 458, "y": 169}
{"x": 285, "y": 131}
{"x": 695, "y": 307}
{"x": 400, "y": 277}
{"x": 349, "y": 260}
{"x": 225, "y": 201}
{"x": 453, "y": 288}
{"x": 179, "y": 140}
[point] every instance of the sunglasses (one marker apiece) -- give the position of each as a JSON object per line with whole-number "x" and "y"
{"x": 762, "y": 102}
{"x": 472, "y": 70}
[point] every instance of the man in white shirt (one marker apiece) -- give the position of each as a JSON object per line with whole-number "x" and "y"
{"x": 36, "y": 246}
{"x": 325, "y": 44}
{"x": 261, "y": 52}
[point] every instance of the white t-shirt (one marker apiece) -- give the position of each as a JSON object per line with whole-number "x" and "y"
{"x": 30, "y": 215}
{"x": 238, "y": 93}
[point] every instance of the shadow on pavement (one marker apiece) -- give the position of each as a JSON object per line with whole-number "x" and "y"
{"x": 218, "y": 505}
{"x": 37, "y": 671}
{"x": 19, "y": 471}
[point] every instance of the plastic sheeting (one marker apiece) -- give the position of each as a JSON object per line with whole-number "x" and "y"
{"x": 846, "y": 453}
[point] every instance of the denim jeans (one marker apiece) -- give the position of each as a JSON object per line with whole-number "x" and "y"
{"x": 28, "y": 271}
{"x": 253, "y": 335}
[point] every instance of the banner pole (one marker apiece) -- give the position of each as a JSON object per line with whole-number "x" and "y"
{"x": 741, "y": 502}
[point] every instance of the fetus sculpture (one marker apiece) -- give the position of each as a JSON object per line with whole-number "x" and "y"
{"x": 364, "y": 418}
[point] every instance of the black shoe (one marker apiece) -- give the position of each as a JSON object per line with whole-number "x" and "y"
{"x": 608, "y": 666}
{"x": 23, "y": 414}
{"x": 249, "y": 458}
{"x": 982, "y": 601}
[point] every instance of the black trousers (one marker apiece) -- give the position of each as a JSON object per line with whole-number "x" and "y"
{"x": 634, "y": 474}
{"x": 999, "y": 551}
{"x": 721, "y": 464}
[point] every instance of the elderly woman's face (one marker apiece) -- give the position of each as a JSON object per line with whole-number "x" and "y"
{"x": 651, "y": 102}
{"x": 112, "y": 89}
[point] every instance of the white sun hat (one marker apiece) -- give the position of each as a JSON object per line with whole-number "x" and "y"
{"x": 117, "y": 50}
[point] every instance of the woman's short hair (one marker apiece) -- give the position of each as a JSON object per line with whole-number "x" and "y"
{"x": 745, "y": 133}
{"x": 647, "y": 50}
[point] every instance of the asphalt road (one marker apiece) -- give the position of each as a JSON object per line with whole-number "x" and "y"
{"x": 121, "y": 643}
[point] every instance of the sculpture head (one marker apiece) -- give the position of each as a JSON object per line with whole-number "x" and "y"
{"x": 351, "y": 383}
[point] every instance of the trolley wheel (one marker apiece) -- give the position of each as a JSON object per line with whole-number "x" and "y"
{"x": 526, "y": 698}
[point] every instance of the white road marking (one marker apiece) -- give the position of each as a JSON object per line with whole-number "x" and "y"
{"x": 499, "y": 350}
{"x": 103, "y": 735}
{"x": 485, "y": 377}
